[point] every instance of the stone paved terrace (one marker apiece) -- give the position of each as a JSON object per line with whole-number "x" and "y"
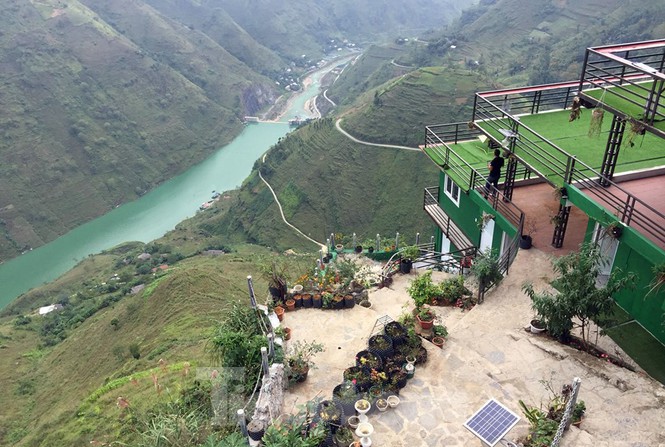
{"x": 488, "y": 355}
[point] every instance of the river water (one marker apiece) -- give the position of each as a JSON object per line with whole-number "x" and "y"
{"x": 157, "y": 212}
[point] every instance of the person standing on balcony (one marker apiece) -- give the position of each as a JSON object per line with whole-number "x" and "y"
{"x": 495, "y": 171}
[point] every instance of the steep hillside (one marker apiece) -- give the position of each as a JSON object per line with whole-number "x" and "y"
{"x": 47, "y": 399}
{"x": 538, "y": 41}
{"x": 103, "y": 100}
{"x": 329, "y": 184}
{"x": 93, "y": 117}
{"x": 398, "y": 111}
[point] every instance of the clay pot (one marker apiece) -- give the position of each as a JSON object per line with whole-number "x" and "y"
{"x": 290, "y": 305}
{"x": 279, "y": 311}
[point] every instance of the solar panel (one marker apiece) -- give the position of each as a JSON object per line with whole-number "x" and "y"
{"x": 491, "y": 422}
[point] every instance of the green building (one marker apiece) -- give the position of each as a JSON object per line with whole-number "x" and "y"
{"x": 596, "y": 145}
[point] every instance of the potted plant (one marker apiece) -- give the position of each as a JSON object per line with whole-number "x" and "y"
{"x": 526, "y": 239}
{"x": 465, "y": 264}
{"x": 578, "y": 413}
{"x": 425, "y": 318}
{"x": 382, "y": 404}
{"x": 299, "y": 360}
{"x": 536, "y": 326}
{"x": 486, "y": 268}
{"x": 408, "y": 255}
{"x": 344, "y": 436}
{"x": 275, "y": 272}
{"x": 283, "y": 332}
{"x": 614, "y": 229}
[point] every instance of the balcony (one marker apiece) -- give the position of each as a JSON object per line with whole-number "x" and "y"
{"x": 449, "y": 228}
{"x": 628, "y": 80}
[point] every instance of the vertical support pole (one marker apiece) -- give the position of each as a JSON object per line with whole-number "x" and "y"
{"x": 321, "y": 256}
{"x": 397, "y": 241}
{"x": 242, "y": 422}
{"x": 332, "y": 240}
{"x": 417, "y": 238}
{"x": 252, "y": 297}
{"x": 378, "y": 242}
{"x": 328, "y": 245}
{"x": 271, "y": 345}
{"x": 431, "y": 241}
{"x": 264, "y": 360}
{"x": 354, "y": 241}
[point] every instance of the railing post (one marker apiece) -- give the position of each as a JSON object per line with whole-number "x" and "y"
{"x": 332, "y": 240}
{"x": 252, "y": 297}
{"x": 378, "y": 242}
{"x": 354, "y": 241}
{"x": 417, "y": 238}
{"x": 271, "y": 345}
{"x": 264, "y": 360}
{"x": 242, "y": 422}
{"x": 397, "y": 241}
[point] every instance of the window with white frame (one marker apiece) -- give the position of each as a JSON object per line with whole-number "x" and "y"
{"x": 452, "y": 190}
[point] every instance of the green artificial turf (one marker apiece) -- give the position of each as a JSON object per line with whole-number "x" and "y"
{"x": 648, "y": 150}
{"x": 630, "y": 93}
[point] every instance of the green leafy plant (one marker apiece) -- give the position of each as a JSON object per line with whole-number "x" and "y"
{"x": 578, "y": 299}
{"x": 486, "y": 268}
{"x": 299, "y": 359}
{"x": 658, "y": 278}
{"x": 440, "y": 330}
{"x": 411, "y": 252}
{"x": 422, "y": 290}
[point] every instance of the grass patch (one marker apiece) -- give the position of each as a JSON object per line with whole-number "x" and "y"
{"x": 642, "y": 347}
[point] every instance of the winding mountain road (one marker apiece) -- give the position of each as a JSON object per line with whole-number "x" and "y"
{"x": 367, "y": 143}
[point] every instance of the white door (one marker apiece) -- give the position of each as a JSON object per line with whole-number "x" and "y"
{"x": 445, "y": 244}
{"x": 486, "y": 236}
{"x": 607, "y": 245}
{"x": 445, "y": 257}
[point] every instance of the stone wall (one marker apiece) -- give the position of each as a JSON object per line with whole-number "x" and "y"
{"x": 271, "y": 396}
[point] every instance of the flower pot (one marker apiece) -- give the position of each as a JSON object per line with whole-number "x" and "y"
{"x": 297, "y": 289}
{"x": 537, "y": 326}
{"x": 287, "y": 333}
{"x": 366, "y": 304}
{"x": 525, "y": 242}
{"x": 256, "y": 428}
{"x": 290, "y": 305}
{"x": 279, "y": 311}
{"x": 393, "y": 401}
{"x": 298, "y": 375}
{"x": 349, "y": 301}
{"x": 353, "y": 422}
{"x": 425, "y": 324}
{"x": 317, "y": 302}
{"x": 382, "y": 404}
{"x": 338, "y": 302}
{"x": 298, "y": 299}
{"x": 438, "y": 341}
{"x": 382, "y": 345}
{"x": 358, "y": 249}
{"x": 370, "y": 249}
{"x": 339, "y": 248}
{"x": 307, "y": 300}
{"x": 405, "y": 266}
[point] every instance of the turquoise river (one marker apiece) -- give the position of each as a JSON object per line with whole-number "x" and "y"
{"x": 159, "y": 211}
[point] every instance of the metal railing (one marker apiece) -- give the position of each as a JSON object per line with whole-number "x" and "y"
{"x": 623, "y": 71}
{"x": 559, "y": 167}
{"x": 448, "y": 227}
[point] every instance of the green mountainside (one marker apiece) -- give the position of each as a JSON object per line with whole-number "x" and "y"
{"x": 104, "y": 100}
{"x": 330, "y": 184}
{"x": 539, "y": 41}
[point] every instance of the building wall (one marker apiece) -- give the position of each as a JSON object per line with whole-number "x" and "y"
{"x": 637, "y": 255}
{"x": 468, "y": 214}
